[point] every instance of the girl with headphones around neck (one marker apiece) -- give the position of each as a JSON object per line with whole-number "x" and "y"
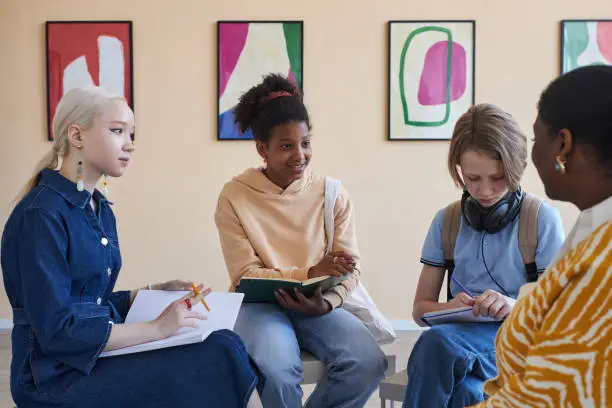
{"x": 487, "y": 157}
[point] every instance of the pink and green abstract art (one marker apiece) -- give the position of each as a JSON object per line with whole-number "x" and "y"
{"x": 431, "y": 77}
{"x": 247, "y": 51}
{"x": 585, "y": 42}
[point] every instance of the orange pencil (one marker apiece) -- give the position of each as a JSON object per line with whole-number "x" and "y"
{"x": 197, "y": 292}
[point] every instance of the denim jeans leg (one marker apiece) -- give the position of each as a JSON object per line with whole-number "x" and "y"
{"x": 442, "y": 358}
{"x": 270, "y": 339}
{"x": 355, "y": 364}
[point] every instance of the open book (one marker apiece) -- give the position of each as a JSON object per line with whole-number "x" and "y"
{"x": 262, "y": 289}
{"x": 460, "y": 314}
{"x": 149, "y": 304}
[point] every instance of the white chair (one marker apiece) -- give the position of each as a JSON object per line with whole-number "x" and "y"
{"x": 393, "y": 388}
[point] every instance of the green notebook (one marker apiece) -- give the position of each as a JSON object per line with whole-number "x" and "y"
{"x": 262, "y": 289}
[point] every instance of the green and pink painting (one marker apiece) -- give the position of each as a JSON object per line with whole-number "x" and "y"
{"x": 585, "y": 42}
{"x": 431, "y": 77}
{"x": 247, "y": 51}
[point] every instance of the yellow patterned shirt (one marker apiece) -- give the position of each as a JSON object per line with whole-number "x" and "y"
{"x": 555, "y": 349}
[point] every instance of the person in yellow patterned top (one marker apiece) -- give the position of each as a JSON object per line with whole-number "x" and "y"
{"x": 555, "y": 348}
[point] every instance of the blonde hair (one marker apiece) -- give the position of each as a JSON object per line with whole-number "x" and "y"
{"x": 488, "y": 130}
{"x": 78, "y": 106}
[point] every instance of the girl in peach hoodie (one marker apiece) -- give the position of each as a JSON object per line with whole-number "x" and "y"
{"x": 271, "y": 225}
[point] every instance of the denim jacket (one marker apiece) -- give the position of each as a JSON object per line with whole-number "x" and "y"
{"x": 60, "y": 262}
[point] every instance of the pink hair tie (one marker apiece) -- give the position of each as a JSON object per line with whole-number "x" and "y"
{"x": 277, "y": 94}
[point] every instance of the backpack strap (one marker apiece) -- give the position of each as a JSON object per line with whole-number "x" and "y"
{"x": 528, "y": 234}
{"x": 450, "y": 230}
{"x": 332, "y": 188}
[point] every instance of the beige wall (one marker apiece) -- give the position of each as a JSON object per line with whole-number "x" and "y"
{"x": 165, "y": 203}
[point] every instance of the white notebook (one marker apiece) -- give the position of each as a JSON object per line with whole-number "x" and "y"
{"x": 458, "y": 315}
{"x": 224, "y": 308}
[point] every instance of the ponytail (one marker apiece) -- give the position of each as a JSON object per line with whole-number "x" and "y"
{"x": 275, "y": 101}
{"x": 49, "y": 161}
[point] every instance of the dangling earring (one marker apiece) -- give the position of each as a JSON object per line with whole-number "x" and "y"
{"x": 265, "y": 163}
{"x": 106, "y": 185}
{"x": 80, "y": 184}
{"x": 560, "y": 166}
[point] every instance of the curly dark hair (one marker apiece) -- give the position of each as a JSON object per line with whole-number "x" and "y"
{"x": 581, "y": 101}
{"x": 275, "y": 101}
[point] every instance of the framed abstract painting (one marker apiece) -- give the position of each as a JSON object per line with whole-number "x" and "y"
{"x": 430, "y": 77}
{"x": 81, "y": 53}
{"x": 246, "y": 52}
{"x": 585, "y": 42}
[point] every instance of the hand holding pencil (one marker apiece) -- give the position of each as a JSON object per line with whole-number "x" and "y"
{"x": 180, "y": 314}
{"x": 197, "y": 292}
{"x": 181, "y": 285}
{"x": 489, "y": 304}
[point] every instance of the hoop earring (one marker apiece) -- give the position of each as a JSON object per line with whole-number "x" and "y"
{"x": 80, "y": 184}
{"x": 106, "y": 185}
{"x": 560, "y": 166}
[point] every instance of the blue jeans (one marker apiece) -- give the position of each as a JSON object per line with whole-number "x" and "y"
{"x": 273, "y": 337}
{"x": 449, "y": 365}
{"x": 215, "y": 373}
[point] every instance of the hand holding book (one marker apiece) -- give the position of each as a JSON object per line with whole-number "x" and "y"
{"x": 313, "y": 306}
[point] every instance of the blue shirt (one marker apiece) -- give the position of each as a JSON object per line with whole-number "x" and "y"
{"x": 60, "y": 261}
{"x": 502, "y": 255}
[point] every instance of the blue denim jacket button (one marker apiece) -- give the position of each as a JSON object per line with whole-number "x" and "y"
{"x": 104, "y": 241}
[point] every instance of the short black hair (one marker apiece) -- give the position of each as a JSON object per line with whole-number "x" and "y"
{"x": 275, "y": 101}
{"x": 581, "y": 102}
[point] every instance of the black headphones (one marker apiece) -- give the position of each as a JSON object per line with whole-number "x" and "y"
{"x": 495, "y": 218}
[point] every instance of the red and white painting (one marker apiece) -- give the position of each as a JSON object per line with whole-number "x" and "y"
{"x": 81, "y": 53}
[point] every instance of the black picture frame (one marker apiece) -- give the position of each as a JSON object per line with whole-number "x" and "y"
{"x": 562, "y": 27}
{"x": 237, "y": 136}
{"x": 51, "y": 98}
{"x": 390, "y": 48}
